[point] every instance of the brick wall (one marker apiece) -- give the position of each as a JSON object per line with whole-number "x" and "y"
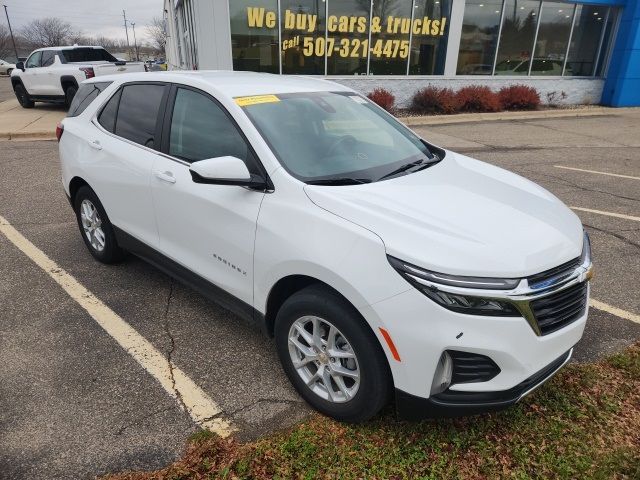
{"x": 579, "y": 91}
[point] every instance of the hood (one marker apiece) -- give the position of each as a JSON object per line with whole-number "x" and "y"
{"x": 462, "y": 217}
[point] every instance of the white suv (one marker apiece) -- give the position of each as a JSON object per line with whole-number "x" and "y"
{"x": 382, "y": 265}
{"x": 53, "y": 74}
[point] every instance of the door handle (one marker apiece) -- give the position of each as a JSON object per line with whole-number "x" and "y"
{"x": 165, "y": 176}
{"x": 95, "y": 145}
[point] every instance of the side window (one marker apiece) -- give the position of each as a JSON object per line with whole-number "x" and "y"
{"x": 107, "y": 117}
{"x": 138, "y": 113}
{"x": 200, "y": 129}
{"x": 34, "y": 60}
{"x": 48, "y": 56}
{"x": 86, "y": 94}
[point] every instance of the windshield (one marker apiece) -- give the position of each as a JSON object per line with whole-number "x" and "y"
{"x": 327, "y": 135}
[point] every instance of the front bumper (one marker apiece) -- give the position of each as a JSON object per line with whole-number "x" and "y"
{"x": 455, "y": 403}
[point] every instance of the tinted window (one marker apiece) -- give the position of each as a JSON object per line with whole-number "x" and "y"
{"x": 107, "y": 117}
{"x": 34, "y": 60}
{"x": 87, "y": 55}
{"x": 48, "y": 56}
{"x": 138, "y": 113}
{"x": 200, "y": 129}
{"x": 85, "y": 95}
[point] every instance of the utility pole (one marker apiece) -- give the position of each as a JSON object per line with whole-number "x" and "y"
{"x": 126, "y": 31}
{"x": 15, "y": 50}
{"x": 135, "y": 42}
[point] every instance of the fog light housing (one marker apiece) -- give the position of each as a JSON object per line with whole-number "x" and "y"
{"x": 443, "y": 375}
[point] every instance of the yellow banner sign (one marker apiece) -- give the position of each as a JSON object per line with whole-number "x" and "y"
{"x": 255, "y": 99}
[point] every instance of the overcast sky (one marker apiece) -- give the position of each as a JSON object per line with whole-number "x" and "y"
{"x": 92, "y": 17}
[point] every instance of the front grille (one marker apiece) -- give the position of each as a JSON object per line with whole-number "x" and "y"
{"x": 560, "y": 309}
{"x": 472, "y": 367}
{"x": 561, "y": 271}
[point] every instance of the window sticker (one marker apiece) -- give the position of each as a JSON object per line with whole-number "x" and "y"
{"x": 256, "y": 99}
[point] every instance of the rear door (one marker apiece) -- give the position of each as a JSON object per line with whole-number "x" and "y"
{"x": 123, "y": 148}
{"x": 210, "y": 229}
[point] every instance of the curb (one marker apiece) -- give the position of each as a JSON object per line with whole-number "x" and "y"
{"x": 505, "y": 116}
{"x": 26, "y": 136}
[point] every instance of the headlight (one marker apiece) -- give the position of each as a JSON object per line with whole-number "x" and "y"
{"x": 586, "y": 249}
{"x": 427, "y": 282}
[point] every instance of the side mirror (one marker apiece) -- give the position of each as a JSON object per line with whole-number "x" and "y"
{"x": 20, "y": 65}
{"x": 225, "y": 171}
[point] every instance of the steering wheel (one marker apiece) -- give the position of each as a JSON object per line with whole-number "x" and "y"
{"x": 345, "y": 140}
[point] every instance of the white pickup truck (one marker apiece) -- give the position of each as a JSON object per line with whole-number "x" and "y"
{"x": 53, "y": 74}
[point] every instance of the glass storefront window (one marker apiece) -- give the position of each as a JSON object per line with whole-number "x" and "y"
{"x": 552, "y": 39}
{"x": 429, "y": 38}
{"x": 610, "y": 19}
{"x": 390, "y": 46}
{"x": 348, "y": 36}
{"x": 516, "y": 39}
{"x": 585, "y": 39}
{"x": 254, "y": 35}
{"x": 303, "y": 26}
{"x": 480, "y": 28}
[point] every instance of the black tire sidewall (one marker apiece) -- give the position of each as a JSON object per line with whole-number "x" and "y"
{"x": 23, "y": 97}
{"x": 69, "y": 93}
{"x": 375, "y": 379}
{"x": 111, "y": 252}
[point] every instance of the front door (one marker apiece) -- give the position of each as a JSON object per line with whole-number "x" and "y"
{"x": 209, "y": 229}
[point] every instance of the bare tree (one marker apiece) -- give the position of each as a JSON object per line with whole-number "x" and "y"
{"x": 6, "y": 47}
{"x": 157, "y": 34}
{"x": 48, "y": 32}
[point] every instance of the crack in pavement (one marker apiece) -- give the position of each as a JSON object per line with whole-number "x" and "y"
{"x": 261, "y": 400}
{"x": 141, "y": 419}
{"x": 622, "y": 238}
{"x": 555, "y": 130}
{"x": 172, "y": 348}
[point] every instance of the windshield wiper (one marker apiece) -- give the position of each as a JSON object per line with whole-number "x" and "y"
{"x": 422, "y": 162}
{"x": 339, "y": 181}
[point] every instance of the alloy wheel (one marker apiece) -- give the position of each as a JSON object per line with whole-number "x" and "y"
{"x": 324, "y": 359}
{"x": 92, "y": 225}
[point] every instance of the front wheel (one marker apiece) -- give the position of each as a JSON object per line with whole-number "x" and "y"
{"x": 23, "y": 97}
{"x": 331, "y": 356}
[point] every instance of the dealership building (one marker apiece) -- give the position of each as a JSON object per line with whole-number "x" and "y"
{"x": 586, "y": 51}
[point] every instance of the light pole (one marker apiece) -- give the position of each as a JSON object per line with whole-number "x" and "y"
{"x": 15, "y": 50}
{"x": 135, "y": 42}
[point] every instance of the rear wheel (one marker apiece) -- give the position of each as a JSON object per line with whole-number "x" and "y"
{"x": 23, "y": 97}
{"x": 95, "y": 227}
{"x": 69, "y": 93}
{"x": 331, "y": 356}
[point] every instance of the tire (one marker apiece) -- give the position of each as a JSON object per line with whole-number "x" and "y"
{"x": 98, "y": 235}
{"x": 352, "y": 335}
{"x": 23, "y": 97}
{"x": 69, "y": 93}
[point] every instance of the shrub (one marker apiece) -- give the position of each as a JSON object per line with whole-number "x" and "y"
{"x": 383, "y": 97}
{"x": 435, "y": 100}
{"x": 476, "y": 98}
{"x": 519, "y": 97}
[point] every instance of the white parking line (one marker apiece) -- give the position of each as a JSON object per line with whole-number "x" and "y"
{"x": 202, "y": 409}
{"x": 609, "y": 214}
{"x": 618, "y": 312}
{"x": 597, "y": 172}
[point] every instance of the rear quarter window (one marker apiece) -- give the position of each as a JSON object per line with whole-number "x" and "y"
{"x": 86, "y": 94}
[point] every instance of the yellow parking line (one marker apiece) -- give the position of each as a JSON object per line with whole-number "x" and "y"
{"x": 618, "y": 312}
{"x": 202, "y": 409}
{"x": 597, "y": 172}
{"x": 609, "y": 214}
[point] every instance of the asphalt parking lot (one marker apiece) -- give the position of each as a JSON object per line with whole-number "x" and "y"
{"x": 74, "y": 404}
